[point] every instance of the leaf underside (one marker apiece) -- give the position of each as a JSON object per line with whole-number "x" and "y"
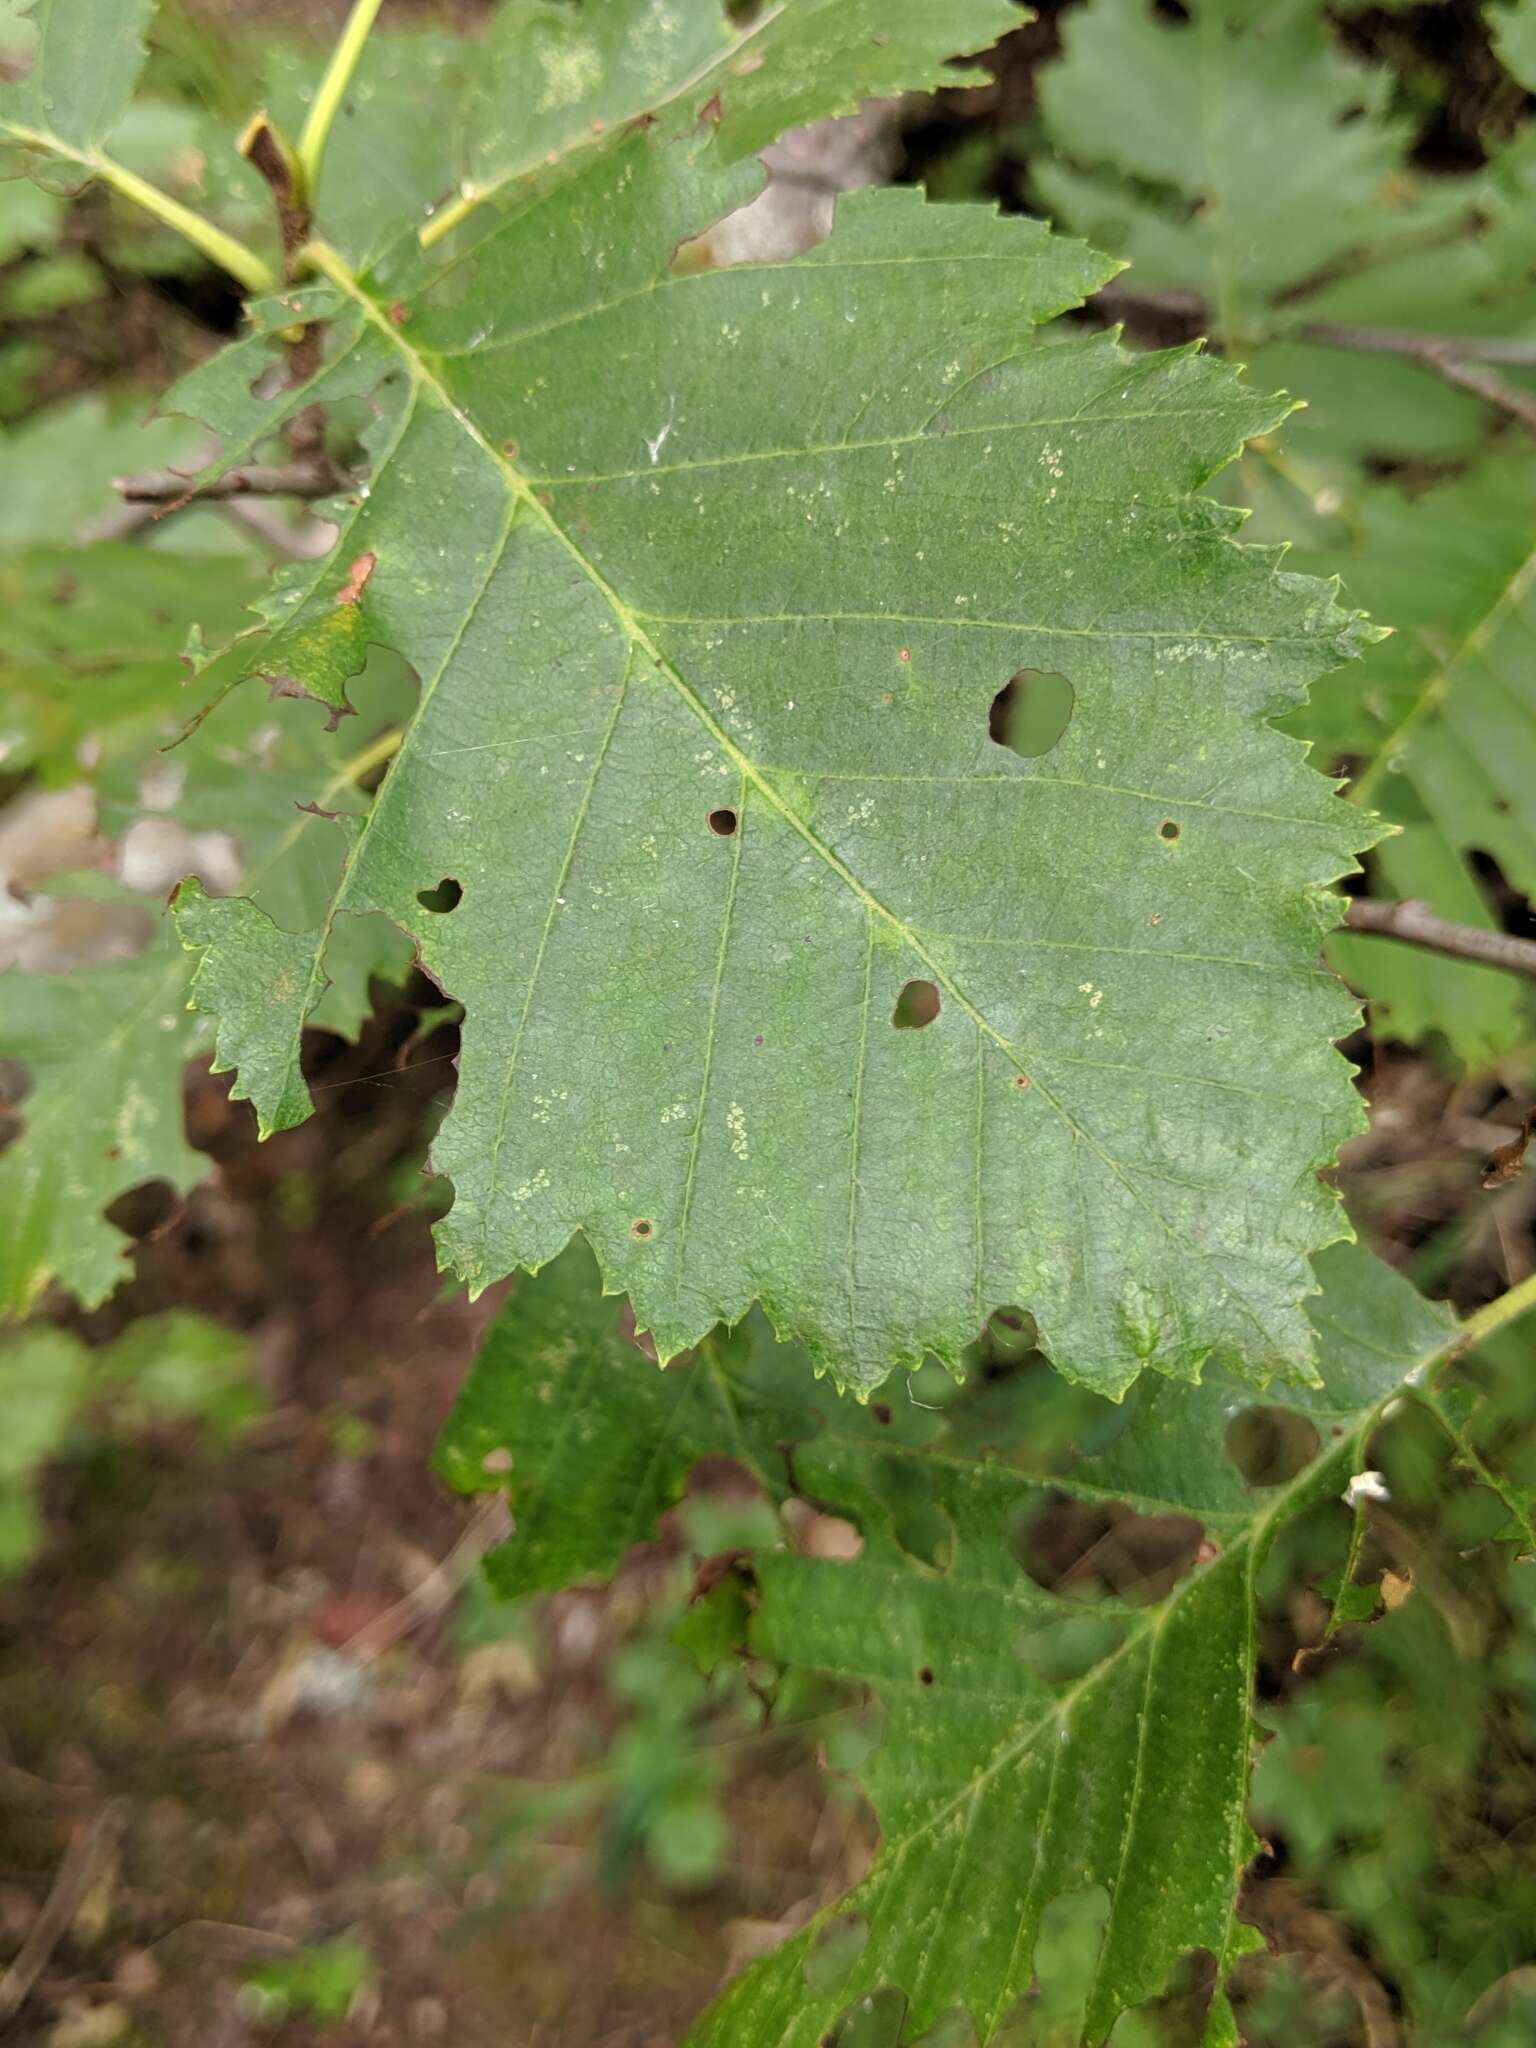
{"x": 1034, "y": 1747}
{"x": 773, "y": 582}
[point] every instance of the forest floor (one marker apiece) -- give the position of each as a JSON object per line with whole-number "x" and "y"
{"x": 200, "y": 1667}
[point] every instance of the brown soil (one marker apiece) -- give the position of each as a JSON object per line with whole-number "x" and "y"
{"x": 177, "y": 1662}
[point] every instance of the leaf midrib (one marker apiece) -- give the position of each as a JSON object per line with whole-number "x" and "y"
{"x": 1243, "y": 1550}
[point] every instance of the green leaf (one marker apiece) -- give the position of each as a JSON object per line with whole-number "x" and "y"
{"x": 83, "y": 59}
{"x": 43, "y": 1378}
{"x": 1243, "y": 157}
{"x": 598, "y": 1441}
{"x": 60, "y": 465}
{"x": 90, "y": 653}
{"x": 397, "y": 146}
{"x": 1034, "y": 1746}
{"x": 703, "y": 746}
{"x": 1450, "y": 741}
{"x": 1514, "y": 39}
{"x": 558, "y": 84}
{"x": 105, "y": 1045}
{"x": 1242, "y": 112}
{"x": 998, "y": 1791}
{"x": 104, "y": 1048}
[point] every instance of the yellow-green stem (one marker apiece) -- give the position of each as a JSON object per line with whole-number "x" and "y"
{"x": 333, "y": 89}
{"x": 243, "y": 264}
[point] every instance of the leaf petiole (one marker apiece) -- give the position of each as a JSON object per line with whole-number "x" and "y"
{"x": 243, "y": 264}
{"x": 333, "y": 87}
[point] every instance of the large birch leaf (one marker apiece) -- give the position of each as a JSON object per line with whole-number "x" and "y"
{"x": 712, "y": 581}
{"x": 1035, "y": 1747}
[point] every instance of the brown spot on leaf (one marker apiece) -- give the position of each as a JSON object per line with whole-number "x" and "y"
{"x": 357, "y": 578}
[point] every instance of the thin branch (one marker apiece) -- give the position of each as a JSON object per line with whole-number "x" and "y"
{"x": 169, "y": 487}
{"x": 1459, "y": 359}
{"x": 1401, "y": 341}
{"x": 82, "y": 1860}
{"x": 265, "y": 147}
{"x": 492, "y": 1524}
{"x": 333, "y": 89}
{"x": 1418, "y": 925}
{"x": 243, "y": 264}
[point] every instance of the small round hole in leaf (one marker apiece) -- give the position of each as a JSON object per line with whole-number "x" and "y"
{"x": 830, "y": 1959}
{"x": 1085, "y": 1550}
{"x": 925, "y": 1676}
{"x": 878, "y": 2020}
{"x": 916, "y": 1006}
{"x": 448, "y": 895}
{"x": 954, "y": 2028}
{"x": 1271, "y": 1445}
{"x": 1031, "y": 712}
{"x": 723, "y": 822}
{"x": 642, "y": 1227}
{"x": 1168, "y": 830}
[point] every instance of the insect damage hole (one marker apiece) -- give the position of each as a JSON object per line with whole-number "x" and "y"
{"x": 1271, "y": 1445}
{"x": 448, "y": 895}
{"x": 1031, "y": 712}
{"x": 723, "y": 822}
{"x": 642, "y": 1227}
{"x": 1168, "y": 830}
{"x": 916, "y": 1006}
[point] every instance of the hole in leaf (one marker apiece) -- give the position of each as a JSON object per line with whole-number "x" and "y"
{"x": 830, "y": 1959}
{"x": 952, "y": 2029}
{"x": 876, "y": 2021}
{"x": 630, "y": 1333}
{"x": 922, "y": 1527}
{"x": 1168, "y": 830}
{"x": 15, "y": 1083}
{"x": 916, "y": 1006}
{"x": 642, "y": 1227}
{"x": 1010, "y": 1334}
{"x": 1177, "y": 2014}
{"x": 817, "y": 1535}
{"x": 1031, "y": 712}
{"x": 723, "y": 822}
{"x": 925, "y": 1676}
{"x": 1271, "y": 1445}
{"x": 138, "y": 1212}
{"x": 448, "y": 895}
{"x": 881, "y": 1411}
{"x": 1067, "y": 1646}
{"x": 1085, "y": 1550}
{"x": 1063, "y": 1972}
